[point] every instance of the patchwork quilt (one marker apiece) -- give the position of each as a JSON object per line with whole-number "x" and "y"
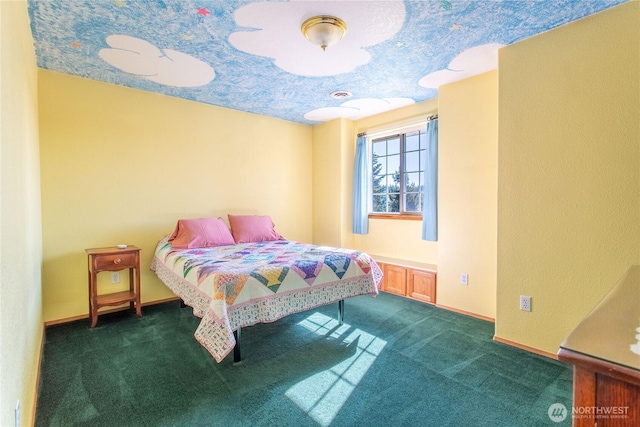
{"x": 239, "y": 285}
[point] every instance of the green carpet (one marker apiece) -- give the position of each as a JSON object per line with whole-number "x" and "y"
{"x": 395, "y": 362}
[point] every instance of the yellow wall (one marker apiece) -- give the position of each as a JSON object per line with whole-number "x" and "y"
{"x": 21, "y": 328}
{"x": 568, "y": 174}
{"x": 467, "y": 197}
{"x": 348, "y": 138}
{"x": 400, "y": 239}
{"x": 122, "y": 166}
{"x": 333, "y": 154}
{"x": 327, "y": 183}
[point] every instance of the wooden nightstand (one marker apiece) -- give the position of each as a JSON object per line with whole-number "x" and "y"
{"x": 114, "y": 259}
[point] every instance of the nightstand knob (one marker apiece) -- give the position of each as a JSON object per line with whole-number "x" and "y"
{"x": 117, "y": 261}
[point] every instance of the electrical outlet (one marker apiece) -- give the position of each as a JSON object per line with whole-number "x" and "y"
{"x": 525, "y": 303}
{"x": 464, "y": 279}
{"x": 115, "y": 277}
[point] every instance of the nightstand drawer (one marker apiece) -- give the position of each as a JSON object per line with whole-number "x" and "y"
{"x": 114, "y": 261}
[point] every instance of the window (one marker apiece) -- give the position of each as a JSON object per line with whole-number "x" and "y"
{"x": 398, "y": 163}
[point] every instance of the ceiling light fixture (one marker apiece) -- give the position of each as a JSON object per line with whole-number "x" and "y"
{"x": 324, "y": 31}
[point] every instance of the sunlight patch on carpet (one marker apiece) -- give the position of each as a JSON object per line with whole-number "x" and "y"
{"x": 322, "y": 395}
{"x": 321, "y": 324}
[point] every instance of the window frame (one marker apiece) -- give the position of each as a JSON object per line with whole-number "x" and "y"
{"x": 402, "y": 134}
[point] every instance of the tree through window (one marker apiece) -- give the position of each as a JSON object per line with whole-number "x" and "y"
{"x": 398, "y": 164}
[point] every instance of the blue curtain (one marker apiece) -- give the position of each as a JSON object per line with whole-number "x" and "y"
{"x": 361, "y": 188}
{"x": 430, "y": 196}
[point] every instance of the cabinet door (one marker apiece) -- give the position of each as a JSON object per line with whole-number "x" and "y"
{"x": 422, "y": 285}
{"x": 383, "y": 266}
{"x": 395, "y": 279}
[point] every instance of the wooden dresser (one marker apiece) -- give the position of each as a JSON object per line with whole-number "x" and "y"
{"x": 605, "y": 351}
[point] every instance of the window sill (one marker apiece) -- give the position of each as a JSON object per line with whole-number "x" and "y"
{"x": 404, "y": 217}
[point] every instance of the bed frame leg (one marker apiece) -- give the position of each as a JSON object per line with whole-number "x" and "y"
{"x": 237, "y": 358}
{"x": 341, "y": 312}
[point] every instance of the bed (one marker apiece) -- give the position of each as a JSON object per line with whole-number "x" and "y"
{"x": 242, "y": 284}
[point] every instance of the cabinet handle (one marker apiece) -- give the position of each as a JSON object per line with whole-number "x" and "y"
{"x": 117, "y": 261}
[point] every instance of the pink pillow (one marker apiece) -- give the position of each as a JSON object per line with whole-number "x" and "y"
{"x": 253, "y": 228}
{"x": 200, "y": 233}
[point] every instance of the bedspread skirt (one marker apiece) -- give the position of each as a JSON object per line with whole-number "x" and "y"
{"x": 234, "y": 286}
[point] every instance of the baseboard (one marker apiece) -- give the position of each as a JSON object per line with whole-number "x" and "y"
{"x": 498, "y": 339}
{"x": 66, "y": 320}
{"x": 466, "y": 313}
{"x": 525, "y": 348}
{"x": 112, "y": 310}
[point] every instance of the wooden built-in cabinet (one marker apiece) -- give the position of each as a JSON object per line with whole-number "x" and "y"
{"x": 409, "y": 279}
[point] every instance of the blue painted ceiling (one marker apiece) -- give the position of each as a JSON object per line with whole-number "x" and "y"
{"x": 251, "y": 56}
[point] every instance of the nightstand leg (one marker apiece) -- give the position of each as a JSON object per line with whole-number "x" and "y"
{"x": 93, "y": 297}
{"x": 138, "y": 307}
{"x": 132, "y": 304}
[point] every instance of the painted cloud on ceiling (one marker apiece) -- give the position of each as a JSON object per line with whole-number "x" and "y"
{"x": 279, "y": 36}
{"x": 357, "y": 108}
{"x": 471, "y": 62}
{"x": 167, "y": 66}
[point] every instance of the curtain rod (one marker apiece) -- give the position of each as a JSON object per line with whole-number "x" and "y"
{"x": 383, "y": 129}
